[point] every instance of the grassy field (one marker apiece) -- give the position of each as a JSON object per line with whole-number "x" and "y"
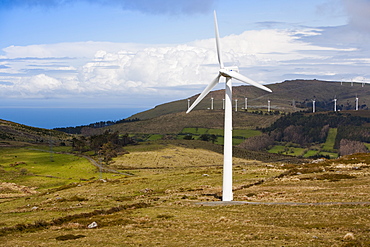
{"x": 330, "y": 140}
{"x": 310, "y": 153}
{"x": 280, "y": 149}
{"x": 164, "y": 203}
{"x": 36, "y": 167}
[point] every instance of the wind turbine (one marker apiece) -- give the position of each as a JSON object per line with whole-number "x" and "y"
{"x": 335, "y": 103}
{"x": 246, "y": 103}
{"x": 356, "y": 103}
{"x": 229, "y": 73}
{"x": 236, "y": 104}
{"x": 212, "y": 103}
{"x": 313, "y": 105}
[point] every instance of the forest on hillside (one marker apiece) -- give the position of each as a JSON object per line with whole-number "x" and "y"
{"x": 307, "y": 129}
{"x": 79, "y": 129}
{"x": 303, "y": 128}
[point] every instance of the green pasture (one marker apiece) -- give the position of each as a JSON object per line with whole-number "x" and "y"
{"x": 280, "y": 149}
{"x": 277, "y": 149}
{"x": 155, "y": 137}
{"x": 367, "y": 145}
{"x": 42, "y": 169}
{"x": 246, "y": 133}
{"x": 330, "y": 140}
{"x": 310, "y": 153}
{"x": 332, "y": 155}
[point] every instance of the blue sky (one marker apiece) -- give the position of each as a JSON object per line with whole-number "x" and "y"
{"x": 141, "y": 53}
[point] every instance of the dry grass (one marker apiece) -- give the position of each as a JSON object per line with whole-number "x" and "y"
{"x": 158, "y": 207}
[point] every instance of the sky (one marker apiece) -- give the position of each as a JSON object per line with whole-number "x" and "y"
{"x": 141, "y": 53}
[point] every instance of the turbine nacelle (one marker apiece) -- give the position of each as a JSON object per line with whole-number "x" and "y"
{"x": 224, "y": 71}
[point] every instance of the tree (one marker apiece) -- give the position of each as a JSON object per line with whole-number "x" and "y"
{"x": 188, "y": 137}
{"x": 108, "y": 151}
{"x": 257, "y": 143}
{"x": 294, "y": 134}
{"x": 350, "y": 147}
{"x": 208, "y": 137}
{"x": 79, "y": 144}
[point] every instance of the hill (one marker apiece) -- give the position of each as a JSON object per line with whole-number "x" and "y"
{"x": 282, "y": 97}
{"x": 11, "y": 133}
{"x": 173, "y": 123}
{"x": 288, "y": 96}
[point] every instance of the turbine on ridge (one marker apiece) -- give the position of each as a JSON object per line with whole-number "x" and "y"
{"x": 229, "y": 73}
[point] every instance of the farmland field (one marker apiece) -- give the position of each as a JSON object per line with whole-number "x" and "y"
{"x": 330, "y": 140}
{"x": 37, "y": 167}
{"x": 167, "y": 202}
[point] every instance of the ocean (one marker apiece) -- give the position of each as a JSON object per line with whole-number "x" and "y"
{"x": 50, "y": 118}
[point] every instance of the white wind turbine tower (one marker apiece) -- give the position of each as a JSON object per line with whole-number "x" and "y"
{"x": 212, "y": 103}
{"x": 236, "y": 104}
{"x": 313, "y": 105}
{"x": 356, "y": 103}
{"x": 228, "y": 73}
{"x": 335, "y": 103}
{"x": 246, "y": 103}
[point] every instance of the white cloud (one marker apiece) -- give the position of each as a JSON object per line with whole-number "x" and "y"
{"x": 68, "y": 49}
{"x": 170, "y": 71}
{"x": 33, "y": 87}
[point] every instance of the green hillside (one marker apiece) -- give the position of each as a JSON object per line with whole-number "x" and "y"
{"x": 11, "y": 133}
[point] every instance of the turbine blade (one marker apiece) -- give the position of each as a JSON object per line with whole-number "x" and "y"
{"x": 218, "y": 43}
{"x": 204, "y": 93}
{"x": 245, "y": 79}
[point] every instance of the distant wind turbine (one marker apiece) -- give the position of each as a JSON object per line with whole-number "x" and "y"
{"x": 313, "y": 105}
{"x": 236, "y": 104}
{"x": 246, "y": 103}
{"x": 228, "y": 73}
{"x": 212, "y": 103}
{"x": 356, "y": 103}
{"x": 335, "y": 103}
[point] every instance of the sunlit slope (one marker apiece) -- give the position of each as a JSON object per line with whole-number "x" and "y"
{"x": 14, "y": 132}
